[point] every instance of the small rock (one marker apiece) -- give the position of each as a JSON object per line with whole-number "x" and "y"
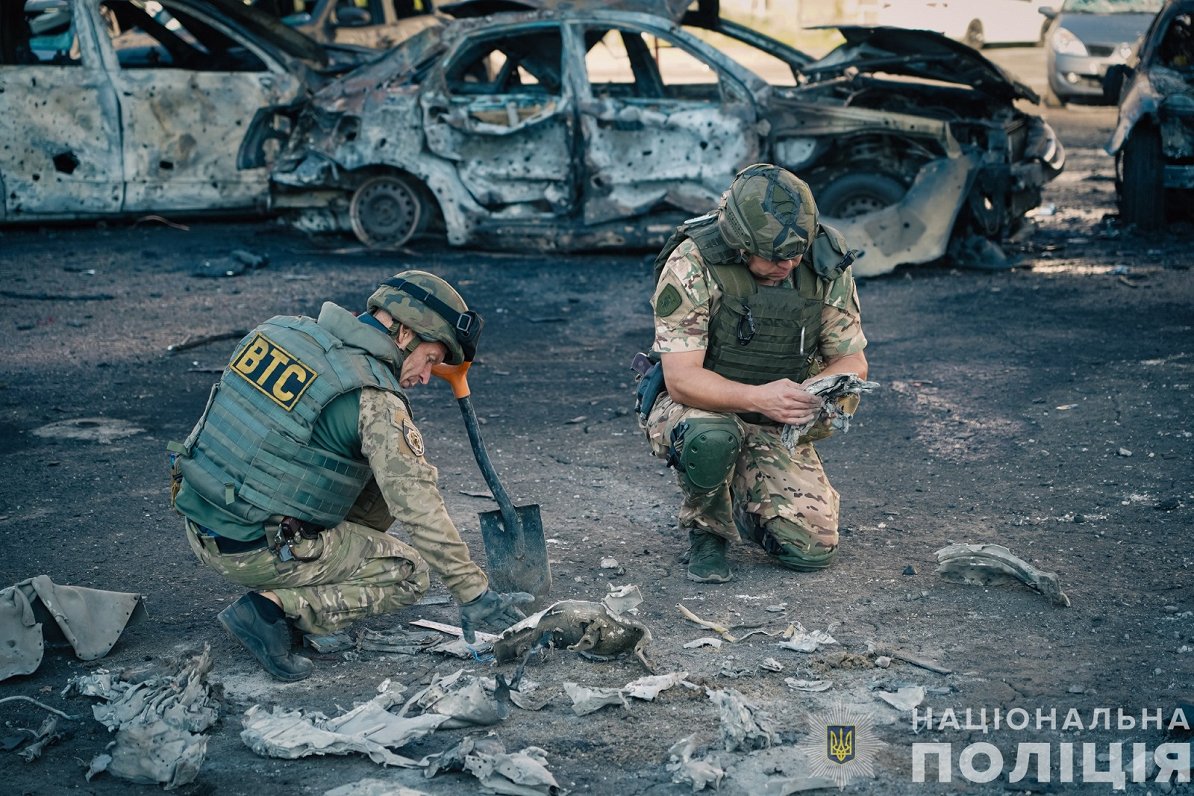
{"x": 1079, "y": 518}
{"x": 1076, "y": 689}
{"x": 1167, "y": 504}
{"x": 883, "y": 661}
{"x": 909, "y": 570}
{"x": 777, "y": 608}
{"x": 771, "y": 665}
{"x": 609, "y": 563}
{"x": 1124, "y": 452}
{"x": 1169, "y": 609}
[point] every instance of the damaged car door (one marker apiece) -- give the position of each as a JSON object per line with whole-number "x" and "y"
{"x": 188, "y": 85}
{"x": 61, "y": 120}
{"x": 663, "y": 126}
{"x": 502, "y": 111}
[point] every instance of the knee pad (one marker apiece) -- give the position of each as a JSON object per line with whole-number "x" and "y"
{"x": 797, "y": 548}
{"x": 708, "y": 449}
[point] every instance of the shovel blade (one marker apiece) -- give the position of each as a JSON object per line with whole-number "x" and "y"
{"x": 517, "y": 556}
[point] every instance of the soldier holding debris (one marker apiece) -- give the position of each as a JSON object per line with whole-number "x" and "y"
{"x": 750, "y": 302}
{"x": 307, "y": 453}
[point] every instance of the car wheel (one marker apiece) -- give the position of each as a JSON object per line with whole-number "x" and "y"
{"x": 1051, "y": 98}
{"x": 1142, "y": 196}
{"x": 974, "y": 34}
{"x": 386, "y": 211}
{"x": 855, "y": 194}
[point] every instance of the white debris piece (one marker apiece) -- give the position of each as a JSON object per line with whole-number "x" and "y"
{"x": 701, "y": 773}
{"x": 609, "y": 563}
{"x": 807, "y": 641}
{"x": 372, "y": 786}
{"x": 703, "y": 641}
{"x": 521, "y": 773}
{"x": 649, "y": 687}
{"x": 587, "y": 700}
{"x": 771, "y": 665}
{"x": 622, "y": 599}
{"x": 904, "y": 699}
{"x": 811, "y": 686}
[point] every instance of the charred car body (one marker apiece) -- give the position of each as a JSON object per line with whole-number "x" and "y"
{"x": 115, "y": 107}
{"x": 572, "y": 130}
{"x": 1153, "y": 142}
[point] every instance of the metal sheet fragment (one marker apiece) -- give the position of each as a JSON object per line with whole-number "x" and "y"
{"x": 580, "y": 626}
{"x": 992, "y": 564}
{"x": 742, "y": 728}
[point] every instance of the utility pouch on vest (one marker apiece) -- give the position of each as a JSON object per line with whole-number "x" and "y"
{"x": 650, "y": 384}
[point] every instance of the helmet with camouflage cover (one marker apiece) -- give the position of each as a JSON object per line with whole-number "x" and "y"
{"x": 768, "y": 211}
{"x": 433, "y": 310}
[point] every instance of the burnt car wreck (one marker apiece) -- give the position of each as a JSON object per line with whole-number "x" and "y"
{"x": 117, "y": 107}
{"x": 1153, "y": 142}
{"x": 570, "y": 130}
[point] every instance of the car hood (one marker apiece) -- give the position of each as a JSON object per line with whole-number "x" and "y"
{"x": 672, "y": 9}
{"x": 1106, "y": 28}
{"x": 273, "y": 31}
{"x": 919, "y": 53}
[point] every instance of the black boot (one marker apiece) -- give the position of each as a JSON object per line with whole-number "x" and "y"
{"x": 266, "y": 634}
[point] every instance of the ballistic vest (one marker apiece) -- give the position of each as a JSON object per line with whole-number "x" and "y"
{"x": 758, "y": 334}
{"x": 251, "y": 453}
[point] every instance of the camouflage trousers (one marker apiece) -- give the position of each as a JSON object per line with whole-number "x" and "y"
{"x": 359, "y": 572}
{"x": 767, "y": 483}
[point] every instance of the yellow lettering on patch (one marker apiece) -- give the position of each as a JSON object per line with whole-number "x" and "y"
{"x": 274, "y": 371}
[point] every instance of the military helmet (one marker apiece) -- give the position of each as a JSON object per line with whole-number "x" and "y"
{"x": 433, "y": 310}
{"x": 768, "y": 211}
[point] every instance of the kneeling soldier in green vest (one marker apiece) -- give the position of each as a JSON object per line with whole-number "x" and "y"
{"x": 750, "y": 302}
{"x": 306, "y": 454}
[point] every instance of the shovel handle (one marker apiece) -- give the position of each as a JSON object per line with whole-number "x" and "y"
{"x": 455, "y": 376}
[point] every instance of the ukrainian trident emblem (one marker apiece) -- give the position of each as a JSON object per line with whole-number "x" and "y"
{"x": 839, "y": 739}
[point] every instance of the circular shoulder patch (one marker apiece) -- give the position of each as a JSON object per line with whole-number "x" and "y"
{"x": 414, "y": 440}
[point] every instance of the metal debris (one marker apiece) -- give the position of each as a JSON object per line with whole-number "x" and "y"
{"x": 44, "y": 736}
{"x": 159, "y": 719}
{"x": 704, "y": 641}
{"x": 586, "y": 700}
{"x": 811, "y": 686}
{"x": 291, "y": 734}
{"x": 461, "y": 698}
{"x": 38, "y": 612}
{"x": 103, "y": 430}
{"x": 580, "y": 626}
{"x": 721, "y": 630}
{"x": 905, "y": 698}
{"x": 771, "y": 665}
{"x": 807, "y": 641}
{"x": 741, "y": 729}
{"x": 835, "y": 413}
{"x": 701, "y": 773}
{"x": 372, "y": 786}
{"x": 647, "y": 688}
{"x": 622, "y": 599}
{"x": 992, "y": 564}
{"x": 521, "y": 773}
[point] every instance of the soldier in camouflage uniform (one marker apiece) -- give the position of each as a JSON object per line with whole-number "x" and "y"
{"x": 750, "y": 302}
{"x": 305, "y": 456}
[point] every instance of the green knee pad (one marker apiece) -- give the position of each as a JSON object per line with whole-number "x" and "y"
{"x": 794, "y": 548}
{"x": 709, "y": 451}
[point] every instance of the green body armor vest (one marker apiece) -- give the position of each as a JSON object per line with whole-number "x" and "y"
{"x": 759, "y": 334}
{"x": 251, "y": 453}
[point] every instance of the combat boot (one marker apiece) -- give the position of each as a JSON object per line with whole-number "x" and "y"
{"x": 267, "y": 637}
{"x": 707, "y": 558}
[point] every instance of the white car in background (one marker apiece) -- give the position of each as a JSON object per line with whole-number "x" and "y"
{"x": 975, "y": 22}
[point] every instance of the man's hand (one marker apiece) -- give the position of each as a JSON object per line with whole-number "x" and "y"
{"x": 785, "y": 401}
{"x": 494, "y": 610}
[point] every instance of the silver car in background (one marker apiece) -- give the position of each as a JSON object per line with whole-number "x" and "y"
{"x": 1084, "y": 38}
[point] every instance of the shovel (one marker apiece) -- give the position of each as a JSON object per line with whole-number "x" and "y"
{"x": 513, "y": 535}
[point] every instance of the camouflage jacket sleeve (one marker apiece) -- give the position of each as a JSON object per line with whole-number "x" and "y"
{"x": 394, "y": 448}
{"x": 682, "y": 302}
{"x": 841, "y": 319}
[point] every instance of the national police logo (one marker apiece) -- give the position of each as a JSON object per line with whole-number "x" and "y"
{"x": 275, "y": 372}
{"x": 414, "y": 440}
{"x": 841, "y": 745}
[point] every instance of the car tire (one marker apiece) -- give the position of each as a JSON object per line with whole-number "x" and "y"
{"x": 974, "y": 35}
{"x": 386, "y": 211}
{"x": 855, "y": 194}
{"x": 1142, "y": 194}
{"x": 1051, "y": 98}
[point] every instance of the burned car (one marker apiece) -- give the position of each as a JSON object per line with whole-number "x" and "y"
{"x": 1153, "y": 142}
{"x": 577, "y": 129}
{"x": 134, "y": 106}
